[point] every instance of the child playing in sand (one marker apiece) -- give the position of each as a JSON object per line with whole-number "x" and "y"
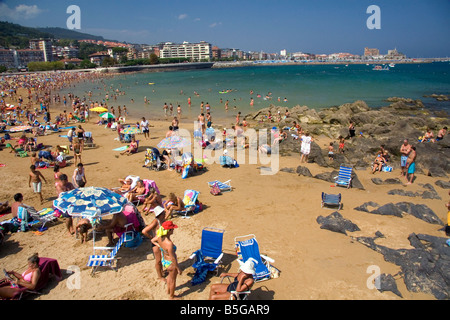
{"x": 83, "y": 227}
{"x": 35, "y": 178}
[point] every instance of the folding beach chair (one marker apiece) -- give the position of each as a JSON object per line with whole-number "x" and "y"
{"x": 223, "y": 186}
{"x": 344, "y": 179}
{"x": 44, "y": 216}
{"x": 190, "y": 203}
{"x": 88, "y": 140}
{"x": 333, "y": 200}
{"x": 108, "y": 259}
{"x": 210, "y": 254}
{"x": 247, "y": 247}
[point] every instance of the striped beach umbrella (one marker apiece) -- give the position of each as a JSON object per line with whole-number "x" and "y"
{"x": 90, "y": 202}
{"x": 107, "y": 115}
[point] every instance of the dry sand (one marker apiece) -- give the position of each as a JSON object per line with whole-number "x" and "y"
{"x": 281, "y": 210}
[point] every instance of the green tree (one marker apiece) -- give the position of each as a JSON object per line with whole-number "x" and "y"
{"x": 108, "y": 62}
{"x": 154, "y": 59}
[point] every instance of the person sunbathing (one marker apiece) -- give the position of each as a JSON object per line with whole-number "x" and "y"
{"x": 126, "y": 187}
{"x": 378, "y": 163}
{"x": 152, "y": 200}
{"x": 139, "y": 190}
{"x": 132, "y": 148}
{"x": 173, "y": 204}
{"x": 243, "y": 281}
{"x": 29, "y": 279}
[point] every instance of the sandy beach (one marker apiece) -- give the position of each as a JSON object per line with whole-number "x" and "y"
{"x": 280, "y": 210}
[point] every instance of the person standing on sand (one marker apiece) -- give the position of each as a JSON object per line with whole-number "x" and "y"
{"x": 145, "y": 128}
{"x": 35, "y": 178}
{"x": 63, "y": 185}
{"x": 405, "y": 149}
{"x": 169, "y": 257}
{"x": 150, "y": 232}
{"x": 411, "y": 165}
{"x": 305, "y": 147}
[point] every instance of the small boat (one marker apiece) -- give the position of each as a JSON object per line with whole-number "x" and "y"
{"x": 380, "y": 68}
{"x": 392, "y": 65}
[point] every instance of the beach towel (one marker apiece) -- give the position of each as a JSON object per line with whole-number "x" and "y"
{"x": 202, "y": 268}
{"x": 48, "y": 266}
{"x": 121, "y": 148}
{"x": 189, "y": 197}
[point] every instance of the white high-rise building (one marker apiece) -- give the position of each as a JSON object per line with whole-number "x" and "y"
{"x": 194, "y": 51}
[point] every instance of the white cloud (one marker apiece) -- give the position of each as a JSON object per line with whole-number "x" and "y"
{"x": 182, "y": 16}
{"x": 20, "y": 12}
{"x": 197, "y": 19}
{"x": 215, "y": 24}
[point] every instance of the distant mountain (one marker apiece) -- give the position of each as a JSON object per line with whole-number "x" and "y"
{"x": 61, "y": 33}
{"x": 16, "y": 36}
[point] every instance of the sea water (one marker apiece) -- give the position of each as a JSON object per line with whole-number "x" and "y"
{"x": 314, "y": 86}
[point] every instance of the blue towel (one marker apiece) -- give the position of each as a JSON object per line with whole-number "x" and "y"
{"x": 202, "y": 268}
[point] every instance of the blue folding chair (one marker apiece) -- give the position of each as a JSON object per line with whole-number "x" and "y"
{"x": 209, "y": 256}
{"x": 344, "y": 178}
{"x": 223, "y": 186}
{"x": 333, "y": 200}
{"x": 108, "y": 259}
{"x": 247, "y": 247}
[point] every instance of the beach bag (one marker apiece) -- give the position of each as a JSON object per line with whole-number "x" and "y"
{"x": 215, "y": 190}
{"x": 133, "y": 239}
{"x": 387, "y": 169}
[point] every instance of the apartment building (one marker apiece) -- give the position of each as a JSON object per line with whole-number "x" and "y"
{"x": 193, "y": 51}
{"x": 44, "y": 45}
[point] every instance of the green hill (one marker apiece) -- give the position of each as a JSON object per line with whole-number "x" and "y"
{"x": 61, "y": 33}
{"x": 16, "y": 36}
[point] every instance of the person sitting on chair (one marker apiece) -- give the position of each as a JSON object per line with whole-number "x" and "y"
{"x": 132, "y": 148}
{"x": 138, "y": 190}
{"x": 29, "y": 279}
{"x": 152, "y": 200}
{"x": 243, "y": 281}
{"x": 174, "y": 203}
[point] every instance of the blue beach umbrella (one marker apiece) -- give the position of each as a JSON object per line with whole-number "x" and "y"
{"x": 90, "y": 202}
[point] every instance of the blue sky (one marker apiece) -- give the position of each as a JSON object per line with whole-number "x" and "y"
{"x": 416, "y": 28}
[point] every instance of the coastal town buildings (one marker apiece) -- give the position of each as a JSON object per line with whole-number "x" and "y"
{"x": 44, "y": 45}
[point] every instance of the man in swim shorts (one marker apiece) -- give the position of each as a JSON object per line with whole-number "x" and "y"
{"x": 405, "y": 150}
{"x": 411, "y": 165}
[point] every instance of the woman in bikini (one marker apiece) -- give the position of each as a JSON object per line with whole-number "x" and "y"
{"x": 169, "y": 257}
{"x": 28, "y": 279}
{"x": 150, "y": 232}
{"x": 151, "y": 201}
{"x": 174, "y": 203}
{"x": 76, "y": 149}
{"x": 243, "y": 281}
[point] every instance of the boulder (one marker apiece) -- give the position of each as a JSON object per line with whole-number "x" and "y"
{"x": 303, "y": 171}
{"x": 443, "y": 184}
{"x": 335, "y": 222}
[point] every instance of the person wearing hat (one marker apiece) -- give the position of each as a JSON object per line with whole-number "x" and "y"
{"x": 243, "y": 281}
{"x": 150, "y": 232}
{"x": 168, "y": 256}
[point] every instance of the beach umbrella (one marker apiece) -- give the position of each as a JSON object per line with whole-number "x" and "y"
{"x": 174, "y": 142}
{"x": 131, "y": 130}
{"x": 99, "y": 109}
{"x": 20, "y": 128}
{"x": 107, "y": 115}
{"x": 90, "y": 202}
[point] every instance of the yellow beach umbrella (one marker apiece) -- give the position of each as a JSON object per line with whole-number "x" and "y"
{"x": 99, "y": 109}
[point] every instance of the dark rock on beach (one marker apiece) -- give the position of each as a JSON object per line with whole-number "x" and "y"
{"x": 419, "y": 211}
{"x": 303, "y": 171}
{"x": 387, "y": 283}
{"x": 426, "y": 268}
{"x": 443, "y": 184}
{"x": 335, "y": 222}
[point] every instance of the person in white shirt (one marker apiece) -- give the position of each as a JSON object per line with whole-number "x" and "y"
{"x": 144, "y": 126}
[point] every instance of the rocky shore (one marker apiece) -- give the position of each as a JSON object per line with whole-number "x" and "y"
{"x": 402, "y": 119}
